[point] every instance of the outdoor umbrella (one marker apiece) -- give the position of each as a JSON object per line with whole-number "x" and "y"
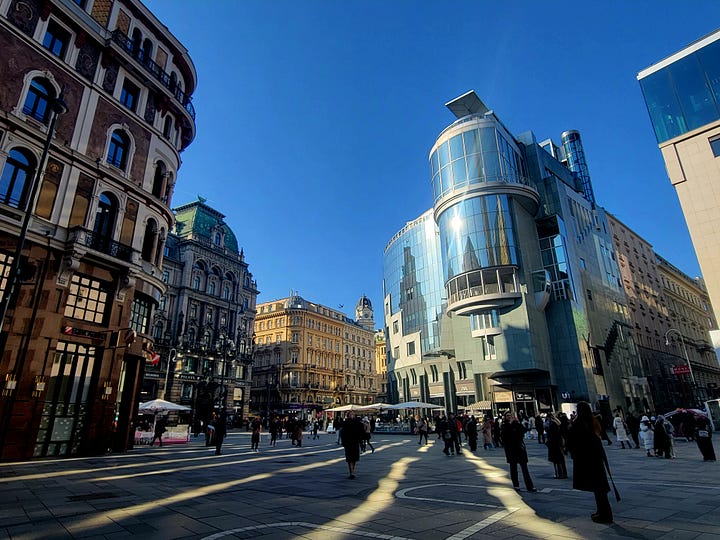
{"x": 343, "y": 408}
{"x": 376, "y": 407}
{"x": 415, "y": 405}
{"x": 158, "y": 405}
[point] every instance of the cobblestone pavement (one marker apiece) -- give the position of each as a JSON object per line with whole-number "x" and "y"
{"x": 402, "y": 491}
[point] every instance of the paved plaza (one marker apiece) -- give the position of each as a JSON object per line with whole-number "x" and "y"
{"x": 402, "y": 491}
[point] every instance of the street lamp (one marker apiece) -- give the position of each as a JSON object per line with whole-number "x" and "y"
{"x": 57, "y": 107}
{"x": 171, "y": 358}
{"x": 226, "y": 347}
{"x": 687, "y": 358}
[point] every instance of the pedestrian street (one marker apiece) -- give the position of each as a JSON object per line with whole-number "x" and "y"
{"x": 402, "y": 491}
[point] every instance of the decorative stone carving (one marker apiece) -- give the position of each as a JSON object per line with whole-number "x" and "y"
{"x": 24, "y": 14}
{"x": 87, "y": 60}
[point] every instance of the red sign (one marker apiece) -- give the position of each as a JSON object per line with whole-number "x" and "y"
{"x": 681, "y": 370}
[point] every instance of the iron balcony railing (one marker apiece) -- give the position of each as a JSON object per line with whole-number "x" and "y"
{"x": 154, "y": 69}
{"x": 103, "y": 244}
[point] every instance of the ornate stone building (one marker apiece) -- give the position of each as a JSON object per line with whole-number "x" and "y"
{"x": 310, "y": 357}
{"x": 672, "y": 318}
{"x": 203, "y": 327}
{"x": 96, "y": 109}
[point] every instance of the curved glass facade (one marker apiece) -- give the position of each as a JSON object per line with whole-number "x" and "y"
{"x": 411, "y": 276}
{"x": 477, "y": 233}
{"x": 478, "y": 155}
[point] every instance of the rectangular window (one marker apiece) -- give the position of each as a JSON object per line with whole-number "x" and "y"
{"x": 411, "y": 348}
{"x": 295, "y": 337}
{"x": 56, "y": 39}
{"x": 294, "y": 357}
{"x": 396, "y": 327}
{"x": 140, "y": 312}
{"x": 166, "y": 277}
{"x": 129, "y": 95}
{"x": 87, "y": 299}
{"x": 5, "y": 263}
{"x": 715, "y": 146}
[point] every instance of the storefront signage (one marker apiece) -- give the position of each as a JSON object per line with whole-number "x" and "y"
{"x": 523, "y": 396}
{"x": 681, "y": 370}
{"x": 503, "y": 397}
{"x": 465, "y": 388}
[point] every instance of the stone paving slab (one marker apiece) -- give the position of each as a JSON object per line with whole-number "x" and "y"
{"x": 402, "y": 490}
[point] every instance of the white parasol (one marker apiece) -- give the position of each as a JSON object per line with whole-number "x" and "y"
{"x": 158, "y": 405}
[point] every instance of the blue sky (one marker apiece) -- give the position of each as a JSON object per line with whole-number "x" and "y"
{"x": 315, "y": 119}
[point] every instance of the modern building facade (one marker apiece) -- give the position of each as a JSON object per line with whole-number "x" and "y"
{"x": 203, "y": 327}
{"x": 96, "y": 109}
{"x": 672, "y": 318}
{"x": 506, "y": 294}
{"x": 310, "y": 357}
{"x": 682, "y": 95}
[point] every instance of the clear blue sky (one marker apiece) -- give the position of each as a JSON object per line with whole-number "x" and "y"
{"x": 315, "y": 118}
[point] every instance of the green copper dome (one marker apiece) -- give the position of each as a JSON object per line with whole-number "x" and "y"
{"x": 205, "y": 223}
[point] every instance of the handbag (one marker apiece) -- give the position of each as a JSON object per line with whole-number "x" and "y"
{"x": 703, "y": 433}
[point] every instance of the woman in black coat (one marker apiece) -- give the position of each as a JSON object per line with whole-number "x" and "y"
{"x": 352, "y": 434}
{"x": 588, "y": 457}
{"x": 555, "y": 445}
{"x": 513, "y": 441}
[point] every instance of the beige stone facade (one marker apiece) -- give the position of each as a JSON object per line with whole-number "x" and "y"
{"x": 309, "y": 358}
{"x": 672, "y": 318}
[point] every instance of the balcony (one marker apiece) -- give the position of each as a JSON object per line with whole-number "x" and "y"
{"x": 102, "y": 244}
{"x": 483, "y": 289}
{"x": 155, "y": 70}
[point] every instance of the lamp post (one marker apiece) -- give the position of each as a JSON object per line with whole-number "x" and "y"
{"x": 57, "y": 107}
{"x": 171, "y": 358}
{"x": 226, "y": 347}
{"x": 687, "y": 359}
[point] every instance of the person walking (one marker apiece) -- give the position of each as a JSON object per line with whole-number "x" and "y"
{"x": 703, "y": 438}
{"x": 589, "y": 460}
{"x": 540, "y": 428}
{"x": 273, "y": 428}
{"x": 662, "y": 438}
{"x": 633, "y": 427}
{"x": 299, "y": 431}
{"x": 368, "y": 435}
{"x": 256, "y": 426}
{"x": 513, "y": 441}
{"x": 647, "y": 435}
{"x": 471, "y": 430}
{"x": 555, "y": 445}
{"x": 353, "y": 432}
{"x": 220, "y": 432}
{"x": 488, "y": 429}
{"x": 338, "y": 425}
{"x": 620, "y": 428}
{"x": 315, "y": 429}
{"x": 423, "y": 429}
{"x": 160, "y": 428}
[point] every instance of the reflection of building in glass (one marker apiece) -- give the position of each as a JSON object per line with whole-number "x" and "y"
{"x": 517, "y": 302}
{"x": 682, "y": 94}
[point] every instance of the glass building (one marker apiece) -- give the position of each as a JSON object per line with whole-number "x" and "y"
{"x": 486, "y": 294}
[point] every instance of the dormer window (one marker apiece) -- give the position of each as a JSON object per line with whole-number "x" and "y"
{"x": 216, "y": 239}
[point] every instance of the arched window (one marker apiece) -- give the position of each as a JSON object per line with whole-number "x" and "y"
{"x": 37, "y": 102}
{"x": 136, "y": 42}
{"x": 196, "y": 282}
{"x": 226, "y": 292}
{"x": 147, "y": 50}
{"x": 118, "y": 150}
{"x": 216, "y": 239}
{"x": 159, "y": 179}
{"x": 19, "y": 168}
{"x": 149, "y": 240}
{"x": 167, "y": 127}
{"x": 211, "y": 288}
{"x": 105, "y": 219}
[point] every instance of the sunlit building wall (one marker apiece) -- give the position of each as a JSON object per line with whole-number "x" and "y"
{"x": 682, "y": 94}
{"x": 96, "y": 227}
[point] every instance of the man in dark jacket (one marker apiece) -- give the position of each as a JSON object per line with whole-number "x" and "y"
{"x": 220, "y": 431}
{"x": 513, "y": 440}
